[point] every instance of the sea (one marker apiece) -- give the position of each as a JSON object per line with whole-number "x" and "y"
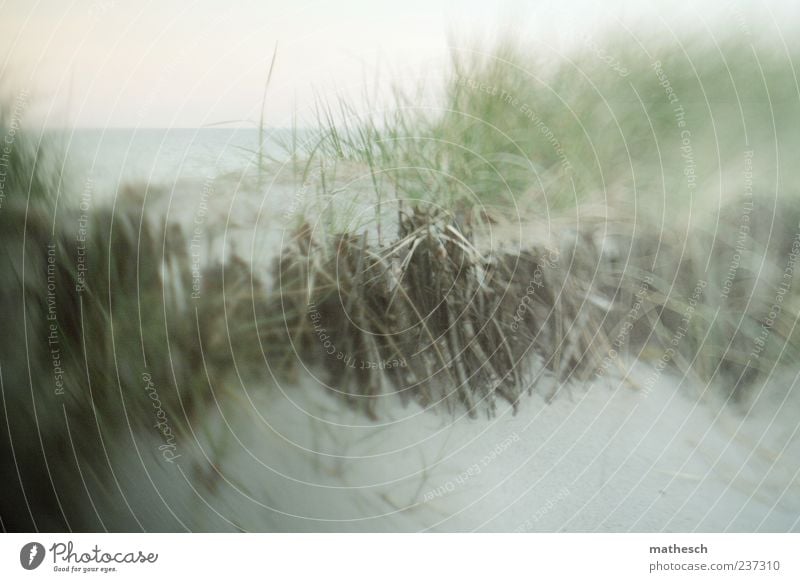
{"x": 111, "y": 158}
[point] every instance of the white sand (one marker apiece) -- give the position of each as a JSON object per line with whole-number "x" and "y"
{"x": 609, "y": 459}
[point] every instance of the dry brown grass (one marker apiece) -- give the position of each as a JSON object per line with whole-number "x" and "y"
{"x": 431, "y": 317}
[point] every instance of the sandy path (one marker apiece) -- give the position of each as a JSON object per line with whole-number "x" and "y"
{"x": 611, "y": 458}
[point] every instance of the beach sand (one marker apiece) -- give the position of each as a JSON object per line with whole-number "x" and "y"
{"x": 609, "y": 457}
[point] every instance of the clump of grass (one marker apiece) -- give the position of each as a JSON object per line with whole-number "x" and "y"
{"x": 430, "y": 316}
{"x": 725, "y": 302}
{"x": 30, "y": 168}
{"x": 661, "y": 139}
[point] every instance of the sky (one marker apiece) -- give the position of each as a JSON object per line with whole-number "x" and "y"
{"x": 120, "y": 63}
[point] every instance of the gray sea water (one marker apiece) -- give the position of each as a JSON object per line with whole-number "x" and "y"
{"x": 114, "y": 157}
